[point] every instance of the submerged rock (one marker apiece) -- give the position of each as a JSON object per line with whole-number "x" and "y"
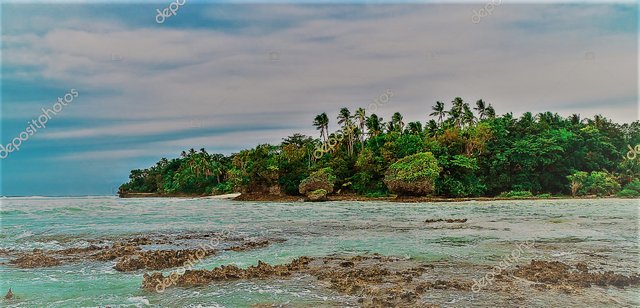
{"x": 161, "y": 259}
{"x": 452, "y": 220}
{"x": 155, "y": 281}
{"x": 556, "y": 273}
{"x": 9, "y": 295}
{"x": 377, "y": 280}
{"x": 35, "y": 259}
{"x": 250, "y": 245}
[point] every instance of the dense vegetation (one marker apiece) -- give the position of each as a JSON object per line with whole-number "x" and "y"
{"x": 467, "y": 154}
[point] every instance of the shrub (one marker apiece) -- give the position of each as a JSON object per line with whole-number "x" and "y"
{"x": 516, "y": 194}
{"x": 413, "y": 175}
{"x": 544, "y": 196}
{"x": 635, "y": 185}
{"x": 628, "y": 193}
{"x": 595, "y": 183}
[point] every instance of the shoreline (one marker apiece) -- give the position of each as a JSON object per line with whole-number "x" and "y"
{"x": 359, "y": 198}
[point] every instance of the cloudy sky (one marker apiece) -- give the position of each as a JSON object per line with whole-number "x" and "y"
{"x": 231, "y": 76}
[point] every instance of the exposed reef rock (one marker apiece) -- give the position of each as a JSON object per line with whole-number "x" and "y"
{"x": 452, "y": 220}
{"x": 250, "y": 245}
{"x": 558, "y": 274}
{"x": 35, "y": 259}
{"x": 230, "y": 272}
{"x": 378, "y": 281}
{"x": 160, "y": 259}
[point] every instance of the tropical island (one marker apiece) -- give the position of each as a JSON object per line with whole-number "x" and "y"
{"x": 459, "y": 153}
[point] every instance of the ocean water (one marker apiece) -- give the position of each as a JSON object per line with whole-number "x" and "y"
{"x": 600, "y": 231}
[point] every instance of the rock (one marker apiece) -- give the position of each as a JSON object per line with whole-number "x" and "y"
{"x": 317, "y": 195}
{"x": 451, "y": 220}
{"x": 562, "y": 276}
{"x": 9, "y": 295}
{"x": 412, "y": 175}
{"x": 229, "y": 272}
{"x": 161, "y": 259}
{"x": 36, "y": 259}
{"x": 321, "y": 179}
{"x": 249, "y": 246}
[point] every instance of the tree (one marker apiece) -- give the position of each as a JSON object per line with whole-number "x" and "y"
{"x": 374, "y": 126}
{"x": 344, "y": 118}
{"x": 438, "y": 111}
{"x": 321, "y": 122}
{"x": 361, "y": 117}
{"x": 414, "y": 128}
{"x": 397, "y": 124}
{"x": 481, "y": 108}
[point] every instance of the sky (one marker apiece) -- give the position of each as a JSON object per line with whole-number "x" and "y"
{"x": 230, "y": 76}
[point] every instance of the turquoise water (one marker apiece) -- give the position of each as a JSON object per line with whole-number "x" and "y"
{"x": 603, "y": 231}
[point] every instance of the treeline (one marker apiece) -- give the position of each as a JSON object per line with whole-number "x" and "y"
{"x": 477, "y": 153}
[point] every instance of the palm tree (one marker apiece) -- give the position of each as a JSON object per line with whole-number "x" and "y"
{"x": 373, "y": 124}
{"x": 490, "y": 112}
{"x": 414, "y": 128}
{"x": 575, "y": 119}
{"x": 321, "y": 122}
{"x": 361, "y": 116}
{"x": 438, "y": 111}
{"x": 344, "y": 118}
{"x": 396, "y": 122}
{"x": 468, "y": 117}
{"x": 456, "y": 117}
{"x": 481, "y": 108}
{"x": 432, "y": 127}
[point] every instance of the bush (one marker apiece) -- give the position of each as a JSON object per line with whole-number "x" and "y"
{"x": 594, "y": 183}
{"x": 544, "y": 196}
{"x": 630, "y": 190}
{"x": 628, "y": 193}
{"x": 635, "y": 185}
{"x": 516, "y": 194}
{"x": 413, "y": 175}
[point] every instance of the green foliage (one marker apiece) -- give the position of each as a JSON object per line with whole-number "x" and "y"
{"x": 516, "y": 194}
{"x": 414, "y": 168}
{"x": 480, "y": 154}
{"x": 630, "y": 190}
{"x": 413, "y": 175}
{"x": 596, "y": 183}
{"x": 628, "y": 193}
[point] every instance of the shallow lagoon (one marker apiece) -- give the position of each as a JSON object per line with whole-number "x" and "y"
{"x": 601, "y": 232}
